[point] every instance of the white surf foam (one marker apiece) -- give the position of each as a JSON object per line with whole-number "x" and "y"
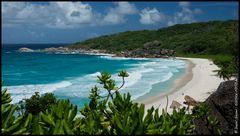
{"x": 140, "y": 81}
{"x": 120, "y": 58}
{"x": 26, "y": 91}
{"x": 161, "y": 71}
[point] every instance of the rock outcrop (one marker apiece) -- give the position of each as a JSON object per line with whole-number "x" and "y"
{"x": 149, "y": 50}
{"x": 65, "y": 50}
{"x": 222, "y": 106}
{"x": 152, "y": 44}
{"x": 54, "y": 49}
{"x": 24, "y": 49}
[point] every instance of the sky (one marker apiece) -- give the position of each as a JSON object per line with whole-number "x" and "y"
{"x": 69, "y": 22}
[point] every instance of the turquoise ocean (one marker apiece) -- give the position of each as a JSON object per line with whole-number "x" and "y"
{"x": 71, "y": 76}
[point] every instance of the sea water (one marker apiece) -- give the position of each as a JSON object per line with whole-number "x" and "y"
{"x": 71, "y": 76}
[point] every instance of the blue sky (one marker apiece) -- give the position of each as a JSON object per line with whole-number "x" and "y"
{"x": 68, "y": 22}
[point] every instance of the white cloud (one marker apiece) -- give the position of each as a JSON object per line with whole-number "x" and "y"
{"x": 113, "y": 18}
{"x": 24, "y": 13}
{"x": 77, "y": 14}
{"x": 186, "y": 15}
{"x": 71, "y": 14}
{"x": 125, "y": 8}
{"x": 11, "y": 12}
{"x": 117, "y": 15}
{"x": 151, "y": 16}
{"x": 11, "y": 6}
{"x": 62, "y": 14}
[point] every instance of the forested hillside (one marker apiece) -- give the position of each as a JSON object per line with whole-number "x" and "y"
{"x": 214, "y": 37}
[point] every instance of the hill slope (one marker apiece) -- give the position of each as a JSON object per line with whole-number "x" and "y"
{"x": 214, "y": 37}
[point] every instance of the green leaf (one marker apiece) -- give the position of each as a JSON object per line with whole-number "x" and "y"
{"x": 13, "y": 127}
{"x": 72, "y": 113}
{"x": 28, "y": 120}
{"x": 56, "y": 128}
{"x": 19, "y": 119}
{"x": 21, "y": 131}
{"x": 118, "y": 122}
{"x": 10, "y": 115}
{"x": 123, "y": 73}
{"x": 67, "y": 129}
{"x": 141, "y": 112}
{"x": 47, "y": 118}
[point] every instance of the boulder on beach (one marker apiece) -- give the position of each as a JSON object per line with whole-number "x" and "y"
{"x": 190, "y": 101}
{"x": 222, "y": 106}
{"x": 175, "y": 104}
{"x": 24, "y": 49}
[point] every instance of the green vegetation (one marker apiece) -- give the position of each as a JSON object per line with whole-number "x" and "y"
{"x": 42, "y": 102}
{"x": 111, "y": 115}
{"x": 215, "y": 40}
{"x": 214, "y": 37}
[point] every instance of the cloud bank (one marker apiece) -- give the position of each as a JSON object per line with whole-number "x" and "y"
{"x": 62, "y": 14}
{"x": 67, "y": 15}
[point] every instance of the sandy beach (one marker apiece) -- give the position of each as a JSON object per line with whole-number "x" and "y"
{"x": 198, "y": 82}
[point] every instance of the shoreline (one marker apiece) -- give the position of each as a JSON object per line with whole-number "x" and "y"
{"x": 199, "y": 82}
{"x": 178, "y": 83}
{"x": 198, "y": 76}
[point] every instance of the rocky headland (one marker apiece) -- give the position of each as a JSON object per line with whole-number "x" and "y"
{"x": 148, "y": 50}
{"x": 61, "y": 50}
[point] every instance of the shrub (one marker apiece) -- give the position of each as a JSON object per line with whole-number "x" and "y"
{"x": 36, "y": 103}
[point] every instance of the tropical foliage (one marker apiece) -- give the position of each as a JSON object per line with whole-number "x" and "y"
{"x": 214, "y": 37}
{"x": 42, "y": 102}
{"x": 111, "y": 115}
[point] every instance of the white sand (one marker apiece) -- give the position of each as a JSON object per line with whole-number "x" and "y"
{"x": 199, "y": 82}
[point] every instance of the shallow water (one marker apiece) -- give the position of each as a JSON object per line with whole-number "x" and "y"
{"x": 72, "y": 75}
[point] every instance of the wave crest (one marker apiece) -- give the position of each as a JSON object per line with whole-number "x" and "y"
{"x": 26, "y": 91}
